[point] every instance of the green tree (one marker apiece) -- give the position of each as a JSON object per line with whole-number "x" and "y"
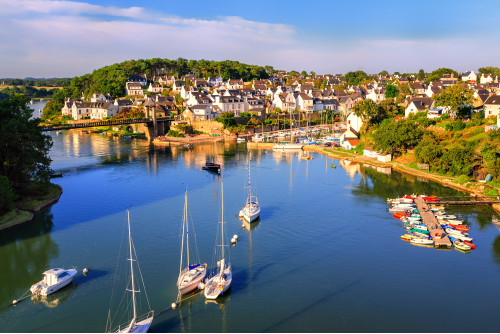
{"x": 391, "y": 91}
{"x": 367, "y": 110}
{"x": 493, "y": 71}
{"x": 456, "y": 97}
{"x": 437, "y": 74}
{"x": 397, "y": 136}
{"x": 421, "y": 74}
{"x": 355, "y": 78}
{"x": 25, "y": 148}
{"x": 303, "y": 74}
{"x": 227, "y": 118}
{"x": 384, "y": 72}
{"x": 428, "y": 150}
{"x": 8, "y": 195}
{"x": 389, "y": 108}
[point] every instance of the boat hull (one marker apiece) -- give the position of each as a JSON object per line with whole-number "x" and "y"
{"x": 41, "y": 289}
{"x": 192, "y": 284}
{"x": 216, "y": 287}
{"x": 288, "y": 147}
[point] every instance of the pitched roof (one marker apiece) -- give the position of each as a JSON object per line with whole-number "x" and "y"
{"x": 493, "y": 99}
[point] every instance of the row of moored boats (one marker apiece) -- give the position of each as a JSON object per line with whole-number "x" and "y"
{"x": 417, "y": 233}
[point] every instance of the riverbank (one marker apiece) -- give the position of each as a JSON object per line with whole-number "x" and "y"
{"x": 447, "y": 181}
{"x": 27, "y": 206}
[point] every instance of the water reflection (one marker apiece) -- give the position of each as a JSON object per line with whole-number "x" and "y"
{"x": 26, "y": 251}
{"x": 56, "y": 298}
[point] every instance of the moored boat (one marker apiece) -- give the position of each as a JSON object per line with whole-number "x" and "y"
{"x": 53, "y": 280}
{"x": 460, "y": 245}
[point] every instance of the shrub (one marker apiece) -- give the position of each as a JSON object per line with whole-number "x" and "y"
{"x": 492, "y": 192}
{"x": 458, "y": 126}
{"x": 462, "y": 179}
{"x": 444, "y": 116}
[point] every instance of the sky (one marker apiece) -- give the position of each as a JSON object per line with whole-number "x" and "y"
{"x": 47, "y": 38}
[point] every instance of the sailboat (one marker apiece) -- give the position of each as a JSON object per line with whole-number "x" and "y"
{"x": 138, "y": 324}
{"x": 251, "y": 210}
{"x": 212, "y": 166}
{"x": 290, "y": 145}
{"x": 221, "y": 281}
{"x": 193, "y": 274}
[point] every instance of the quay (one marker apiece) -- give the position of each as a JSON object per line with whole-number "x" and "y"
{"x": 432, "y": 224}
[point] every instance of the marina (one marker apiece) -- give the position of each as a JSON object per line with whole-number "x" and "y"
{"x": 313, "y": 217}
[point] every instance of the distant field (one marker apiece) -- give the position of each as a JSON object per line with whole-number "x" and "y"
{"x": 46, "y": 87}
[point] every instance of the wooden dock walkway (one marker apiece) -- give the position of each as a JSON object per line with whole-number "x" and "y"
{"x": 432, "y": 224}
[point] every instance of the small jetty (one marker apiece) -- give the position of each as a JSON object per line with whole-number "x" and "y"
{"x": 432, "y": 224}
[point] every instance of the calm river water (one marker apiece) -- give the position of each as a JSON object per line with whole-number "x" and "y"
{"x": 326, "y": 256}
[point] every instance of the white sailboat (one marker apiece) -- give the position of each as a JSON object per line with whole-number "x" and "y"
{"x": 193, "y": 274}
{"x": 221, "y": 281}
{"x": 138, "y": 324}
{"x": 251, "y": 210}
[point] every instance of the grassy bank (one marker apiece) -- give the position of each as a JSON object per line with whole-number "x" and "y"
{"x": 25, "y": 206}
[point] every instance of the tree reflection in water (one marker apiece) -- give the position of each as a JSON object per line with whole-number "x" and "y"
{"x": 25, "y": 251}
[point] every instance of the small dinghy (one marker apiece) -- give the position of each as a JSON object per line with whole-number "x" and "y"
{"x": 53, "y": 280}
{"x": 421, "y": 241}
{"x": 460, "y": 245}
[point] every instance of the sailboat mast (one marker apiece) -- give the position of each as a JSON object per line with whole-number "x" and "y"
{"x": 222, "y": 223}
{"x": 249, "y": 183}
{"x": 183, "y": 226}
{"x": 131, "y": 266}
{"x": 187, "y": 227}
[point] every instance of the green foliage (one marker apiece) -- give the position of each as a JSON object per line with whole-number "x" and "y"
{"x": 253, "y": 121}
{"x": 421, "y": 74}
{"x": 458, "y": 126}
{"x": 367, "y": 110}
{"x": 391, "y": 91}
{"x": 173, "y": 133}
{"x": 428, "y": 150}
{"x": 437, "y": 74}
{"x": 463, "y": 179}
{"x": 444, "y": 116}
{"x": 461, "y": 159}
{"x": 455, "y": 97}
{"x": 227, "y": 119}
{"x": 277, "y": 110}
{"x": 24, "y": 150}
{"x": 244, "y": 114}
{"x": 384, "y": 72}
{"x": 8, "y": 195}
{"x": 494, "y": 134}
{"x": 51, "y": 111}
{"x": 397, "y": 136}
{"x": 491, "y": 155}
{"x": 355, "y": 78}
{"x": 28, "y": 91}
{"x": 477, "y": 118}
{"x": 493, "y": 71}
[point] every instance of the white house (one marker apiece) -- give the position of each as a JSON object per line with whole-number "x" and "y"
{"x": 155, "y": 88}
{"x": 376, "y": 95}
{"x": 492, "y": 106}
{"x": 304, "y": 102}
{"x": 200, "y": 113}
{"x": 417, "y": 104}
{"x": 134, "y": 88}
{"x": 469, "y": 76}
{"x": 354, "y": 122}
{"x": 486, "y": 78}
{"x": 231, "y": 103}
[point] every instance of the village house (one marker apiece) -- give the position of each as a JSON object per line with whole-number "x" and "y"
{"x": 177, "y": 86}
{"x": 418, "y": 88}
{"x": 448, "y": 79}
{"x": 376, "y": 95}
{"x": 155, "y": 88}
{"x": 119, "y": 104}
{"x": 234, "y": 84}
{"x": 417, "y": 104}
{"x": 231, "y": 103}
{"x": 492, "y": 106}
{"x": 200, "y": 113}
{"x": 304, "y": 102}
{"x": 133, "y": 89}
{"x": 198, "y": 98}
{"x": 284, "y": 101}
{"x": 355, "y": 122}
{"x": 97, "y": 97}
{"x": 469, "y": 76}
{"x": 331, "y": 104}
{"x": 138, "y": 79}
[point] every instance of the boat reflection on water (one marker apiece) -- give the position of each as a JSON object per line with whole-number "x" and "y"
{"x": 221, "y": 301}
{"x": 56, "y": 298}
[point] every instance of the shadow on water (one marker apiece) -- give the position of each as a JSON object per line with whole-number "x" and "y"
{"x": 91, "y": 276}
{"x": 308, "y": 307}
{"x": 25, "y": 253}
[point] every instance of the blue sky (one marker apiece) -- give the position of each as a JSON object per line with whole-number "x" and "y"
{"x": 46, "y": 38}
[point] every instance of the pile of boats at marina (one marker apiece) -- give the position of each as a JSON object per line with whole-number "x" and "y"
{"x": 418, "y": 233}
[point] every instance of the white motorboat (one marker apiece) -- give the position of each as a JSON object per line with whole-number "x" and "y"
{"x": 258, "y": 138}
{"x": 446, "y": 216}
{"x": 53, "y": 280}
{"x": 138, "y": 324}
{"x": 240, "y": 140}
{"x": 251, "y": 210}
{"x": 221, "y": 281}
{"x": 421, "y": 241}
{"x": 193, "y": 274}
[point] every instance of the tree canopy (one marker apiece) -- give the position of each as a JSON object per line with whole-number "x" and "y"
{"x": 355, "y": 78}
{"x": 397, "y": 136}
{"x": 437, "y": 74}
{"x": 493, "y": 71}
{"x": 391, "y": 91}
{"x": 24, "y": 150}
{"x": 455, "y": 97}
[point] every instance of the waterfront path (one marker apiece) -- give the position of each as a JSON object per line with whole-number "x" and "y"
{"x": 432, "y": 224}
